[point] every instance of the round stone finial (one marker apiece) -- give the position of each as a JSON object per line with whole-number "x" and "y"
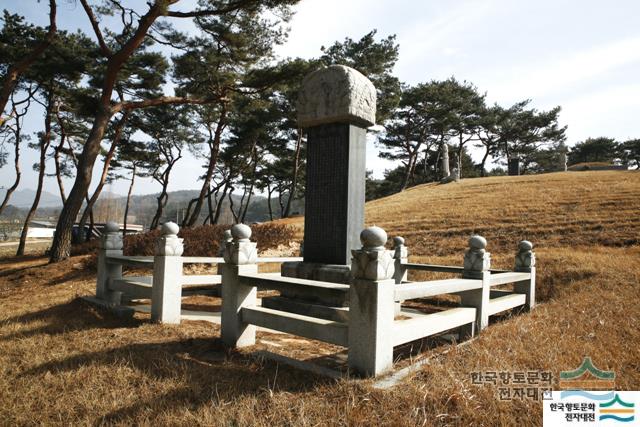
{"x": 169, "y": 228}
{"x": 525, "y": 246}
{"x": 373, "y": 237}
{"x": 398, "y": 241}
{"x": 336, "y": 94}
{"x": 111, "y": 227}
{"x": 477, "y": 242}
{"x": 241, "y": 232}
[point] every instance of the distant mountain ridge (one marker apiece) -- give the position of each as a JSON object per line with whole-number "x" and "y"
{"x": 24, "y": 198}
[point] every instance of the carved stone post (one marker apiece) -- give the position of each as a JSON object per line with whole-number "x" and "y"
{"x": 444, "y": 160}
{"x": 563, "y": 161}
{"x": 110, "y": 245}
{"x": 371, "y": 305}
{"x": 240, "y": 257}
{"x": 477, "y": 262}
{"x": 400, "y": 256}
{"x": 336, "y": 106}
{"x": 526, "y": 262}
{"x": 166, "y": 293}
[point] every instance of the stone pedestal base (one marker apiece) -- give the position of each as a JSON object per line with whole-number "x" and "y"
{"x": 321, "y": 272}
{"x": 303, "y": 302}
{"x": 315, "y": 271}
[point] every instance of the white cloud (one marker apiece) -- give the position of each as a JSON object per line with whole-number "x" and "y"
{"x": 561, "y": 74}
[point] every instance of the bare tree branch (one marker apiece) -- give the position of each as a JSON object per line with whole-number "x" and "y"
{"x": 240, "y": 4}
{"x": 96, "y": 28}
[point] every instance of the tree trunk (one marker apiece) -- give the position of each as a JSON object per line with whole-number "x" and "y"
{"x": 61, "y": 245}
{"x": 216, "y": 218}
{"x": 254, "y": 152}
{"x": 459, "y": 152}
{"x": 88, "y": 211}
{"x": 280, "y": 201}
{"x": 230, "y": 196}
{"x": 214, "y": 148}
{"x": 409, "y": 173}
{"x": 269, "y": 192}
{"x": 246, "y": 206}
{"x": 294, "y": 181}
{"x": 126, "y": 208}
{"x": 162, "y": 201}
{"x": 210, "y": 207}
{"x": 484, "y": 161}
{"x": 16, "y": 166}
{"x": 44, "y": 146}
{"x": 56, "y": 160}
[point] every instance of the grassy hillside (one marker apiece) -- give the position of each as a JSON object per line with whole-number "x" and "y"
{"x": 62, "y": 362}
{"x": 552, "y": 210}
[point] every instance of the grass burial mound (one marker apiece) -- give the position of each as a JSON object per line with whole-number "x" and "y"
{"x": 64, "y": 362}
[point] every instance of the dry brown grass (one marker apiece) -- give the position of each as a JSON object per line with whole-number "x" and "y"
{"x": 63, "y": 362}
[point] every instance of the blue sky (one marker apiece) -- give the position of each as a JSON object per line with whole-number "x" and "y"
{"x": 581, "y": 55}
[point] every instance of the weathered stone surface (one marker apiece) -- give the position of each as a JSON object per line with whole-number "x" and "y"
{"x": 525, "y": 258}
{"x": 373, "y": 261}
{"x": 335, "y": 273}
{"x": 371, "y": 319}
{"x": 111, "y": 227}
{"x": 476, "y": 259}
{"x": 337, "y": 94}
{"x": 373, "y": 238}
{"x": 477, "y": 242}
{"x": 169, "y": 244}
{"x": 169, "y": 228}
{"x": 513, "y": 166}
{"x": 444, "y": 159}
{"x": 400, "y": 256}
{"x": 240, "y": 250}
{"x": 335, "y": 193}
{"x": 241, "y": 232}
{"x": 563, "y": 161}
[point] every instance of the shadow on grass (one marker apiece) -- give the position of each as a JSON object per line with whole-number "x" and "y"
{"x": 9, "y": 272}
{"x": 556, "y": 285}
{"x": 188, "y": 375}
{"x": 76, "y": 315}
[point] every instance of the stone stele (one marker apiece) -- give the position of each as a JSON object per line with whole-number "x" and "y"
{"x": 336, "y": 94}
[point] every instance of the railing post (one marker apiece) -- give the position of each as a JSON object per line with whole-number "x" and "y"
{"x": 401, "y": 256}
{"x": 240, "y": 257}
{"x": 166, "y": 292}
{"x": 371, "y": 305}
{"x": 477, "y": 262}
{"x": 110, "y": 245}
{"x": 526, "y": 262}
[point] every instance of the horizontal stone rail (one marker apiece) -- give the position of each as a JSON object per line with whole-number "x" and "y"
{"x": 309, "y": 289}
{"x": 131, "y": 261}
{"x": 442, "y": 268}
{"x": 404, "y": 331}
{"x": 297, "y": 324}
{"x": 432, "y": 288}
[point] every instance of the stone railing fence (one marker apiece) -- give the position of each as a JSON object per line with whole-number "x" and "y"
{"x": 370, "y": 327}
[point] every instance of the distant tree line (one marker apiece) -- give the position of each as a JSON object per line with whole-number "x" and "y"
{"x": 137, "y": 95}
